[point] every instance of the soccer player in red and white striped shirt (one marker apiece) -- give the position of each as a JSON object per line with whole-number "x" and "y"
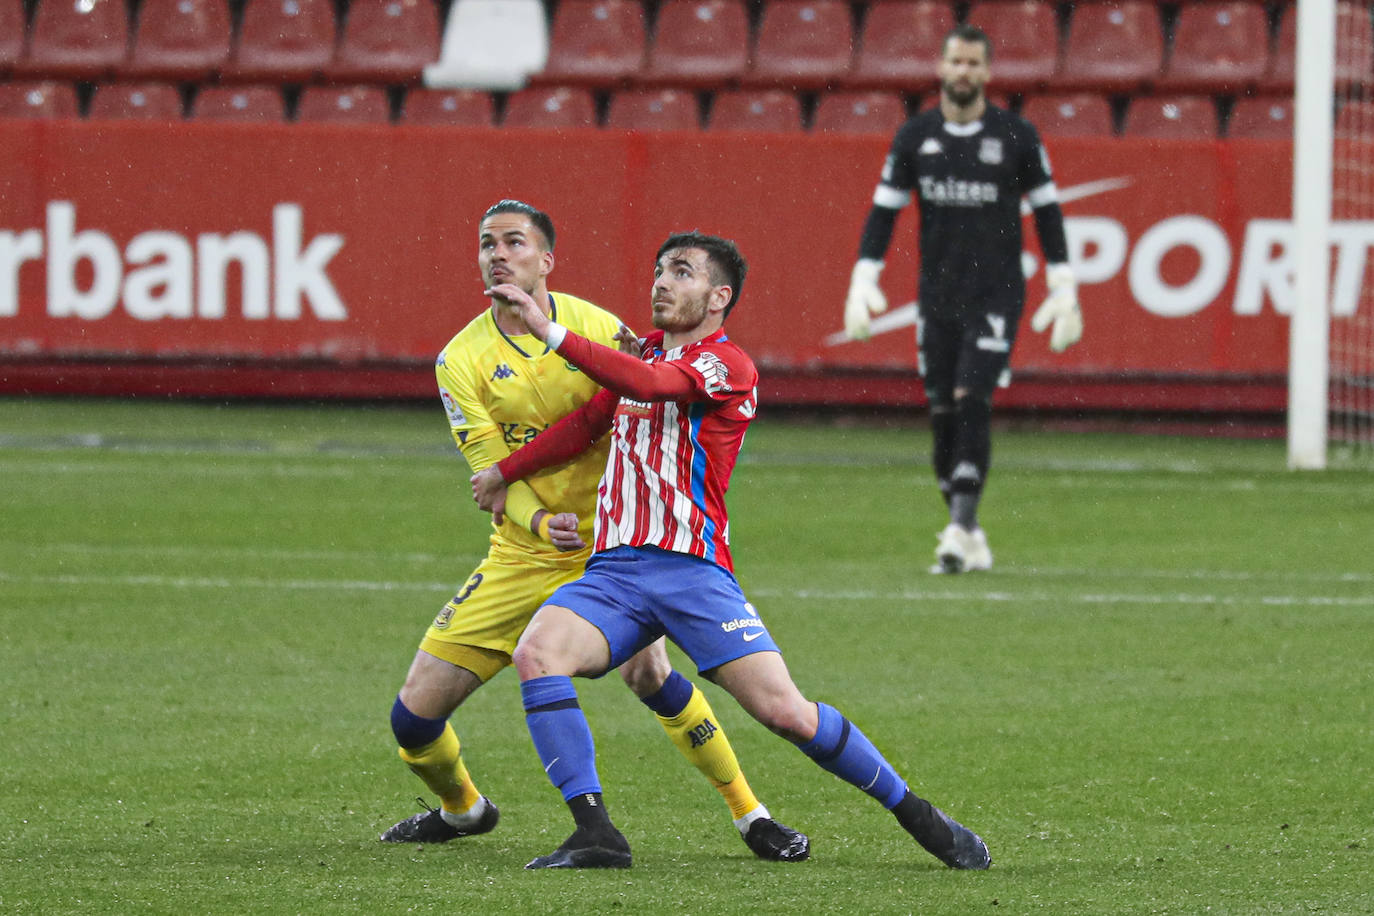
{"x": 661, "y": 563}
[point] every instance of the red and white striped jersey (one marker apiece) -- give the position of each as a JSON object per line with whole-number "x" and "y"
{"x": 670, "y": 461}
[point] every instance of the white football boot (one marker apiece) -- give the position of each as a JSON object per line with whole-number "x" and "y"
{"x": 977, "y": 556}
{"x": 951, "y": 554}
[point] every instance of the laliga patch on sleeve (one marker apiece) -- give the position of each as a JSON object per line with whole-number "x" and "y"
{"x": 713, "y": 371}
{"x": 455, "y": 413}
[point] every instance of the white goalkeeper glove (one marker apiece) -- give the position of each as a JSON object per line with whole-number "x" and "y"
{"x": 865, "y": 298}
{"x": 1060, "y": 308}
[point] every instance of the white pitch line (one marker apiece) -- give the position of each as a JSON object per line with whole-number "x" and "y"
{"x": 994, "y": 597}
{"x": 252, "y": 553}
{"x": 462, "y": 560}
{"x": 912, "y": 595}
{"x": 220, "y": 582}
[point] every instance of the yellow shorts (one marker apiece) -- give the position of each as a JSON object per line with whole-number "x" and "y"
{"x": 478, "y": 628}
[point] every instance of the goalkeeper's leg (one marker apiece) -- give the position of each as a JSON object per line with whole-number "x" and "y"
{"x": 972, "y": 456}
{"x": 942, "y": 442}
{"x": 686, "y": 716}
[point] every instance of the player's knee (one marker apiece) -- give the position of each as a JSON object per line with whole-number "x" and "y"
{"x": 645, "y": 673}
{"x": 528, "y": 658}
{"x": 792, "y": 720}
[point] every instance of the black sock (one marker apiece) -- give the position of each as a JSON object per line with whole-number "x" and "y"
{"x": 589, "y": 812}
{"x": 943, "y": 440}
{"x": 918, "y": 818}
{"x": 963, "y": 510}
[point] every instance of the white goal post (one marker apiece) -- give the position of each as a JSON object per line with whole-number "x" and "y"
{"x": 1309, "y": 328}
{"x": 1331, "y": 341}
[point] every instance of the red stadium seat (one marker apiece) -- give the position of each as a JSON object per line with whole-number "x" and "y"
{"x": 47, "y": 99}
{"x": 762, "y": 109}
{"x": 1112, "y": 47}
{"x": 596, "y": 43}
{"x": 84, "y": 40}
{"x": 180, "y": 39}
{"x": 1025, "y": 42}
{"x": 239, "y": 103}
{"x": 900, "y": 45}
{"x": 136, "y": 101}
{"x": 12, "y": 28}
{"x": 654, "y": 109}
{"x": 1354, "y": 49}
{"x": 802, "y": 45}
{"x": 1172, "y": 117}
{"x": 1355, "y": 120}
{"x": 344, "y": 105}
{"x": 1261, "y": 118}
{"x": 285, "y": 41}
{"x": 1218, "y": 47}
{"x": 553, "y": 107}
{"x": 1083, "y": 114}
{"x": 386, "y": 41}
{"x": 698, "y": 43}
{"x": 859, "y": 113}
{"x": 450, "y": 107}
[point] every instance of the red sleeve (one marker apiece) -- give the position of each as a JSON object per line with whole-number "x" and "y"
{"x": 564, "y": 440}
{"x": 625, "y": 375}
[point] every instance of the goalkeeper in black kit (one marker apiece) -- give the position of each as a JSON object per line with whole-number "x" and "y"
{"x": 968, "y": 164}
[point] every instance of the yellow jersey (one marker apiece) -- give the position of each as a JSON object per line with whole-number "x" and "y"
{"x": 500, "y": 391}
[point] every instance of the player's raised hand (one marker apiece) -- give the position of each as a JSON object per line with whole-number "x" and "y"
{"x": 1060, "y": 308}
{"x": 629, "y": 342}
{"x": 865, "y": 298}
{"x": 489, "y": 492}
{"x": 523, "y": 305}
{"x": 563, "y": 532}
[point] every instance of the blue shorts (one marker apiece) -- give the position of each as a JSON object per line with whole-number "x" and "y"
{"x": 634, "y": 595}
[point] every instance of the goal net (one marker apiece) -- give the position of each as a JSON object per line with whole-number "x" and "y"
{"x": 1331, "y": 368}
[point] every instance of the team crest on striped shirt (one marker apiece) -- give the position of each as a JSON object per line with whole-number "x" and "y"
{"x": 713, "y": 371}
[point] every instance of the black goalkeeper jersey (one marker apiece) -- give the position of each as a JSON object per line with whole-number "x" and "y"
{"x": 968, "y": 181}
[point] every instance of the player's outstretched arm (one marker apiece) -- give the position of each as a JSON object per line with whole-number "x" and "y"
{"x": 563, "y": 441}
{"x": 622, "y": 373}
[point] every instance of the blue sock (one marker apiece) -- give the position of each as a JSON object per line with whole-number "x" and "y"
{"x": 671, "y": 698}
{"x": 413, "y": 731}
{"x": 561, "y": 735}
{"x": 842, "y": 749}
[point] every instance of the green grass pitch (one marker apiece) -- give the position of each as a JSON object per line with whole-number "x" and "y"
{"x": 1158, "y": 701}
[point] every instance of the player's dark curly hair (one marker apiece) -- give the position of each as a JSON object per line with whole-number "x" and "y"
{"x": 540, "y": 220}
{"x": 728, "y": 266}
{"x": 971, "y": 34}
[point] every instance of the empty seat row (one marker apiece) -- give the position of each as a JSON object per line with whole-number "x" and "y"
{"x": 794, "y": 44}
{"x": 666, "y": 109}
{"x": 385, "y": 41}
{"x": 1119, "y": 46}
{"x": 862, "y": 112}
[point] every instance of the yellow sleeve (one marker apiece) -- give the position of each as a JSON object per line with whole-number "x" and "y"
{"x": 480, "y": 440}
{"x": 521, "y": 503}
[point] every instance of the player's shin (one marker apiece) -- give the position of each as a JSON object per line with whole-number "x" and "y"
{"x": 691, "y": 724}
{"x": 943, "y": 441}
{"x": 840, "y": 747}
{"x": 431, "y": 749}
{"x": 972, "y": 458}
{"x": 561, "y": 735}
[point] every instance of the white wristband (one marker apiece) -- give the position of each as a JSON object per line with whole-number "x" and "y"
{"x": 554, "y": 335}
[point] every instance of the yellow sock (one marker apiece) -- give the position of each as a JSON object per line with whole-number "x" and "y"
{"x": 440, "y": 766}
{"x": 702, "y": 741}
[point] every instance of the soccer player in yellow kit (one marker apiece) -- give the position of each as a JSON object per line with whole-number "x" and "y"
{"x": 501, "y": 387}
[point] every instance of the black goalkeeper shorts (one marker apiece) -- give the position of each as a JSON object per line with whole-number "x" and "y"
{"x": 970, "y": 352}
